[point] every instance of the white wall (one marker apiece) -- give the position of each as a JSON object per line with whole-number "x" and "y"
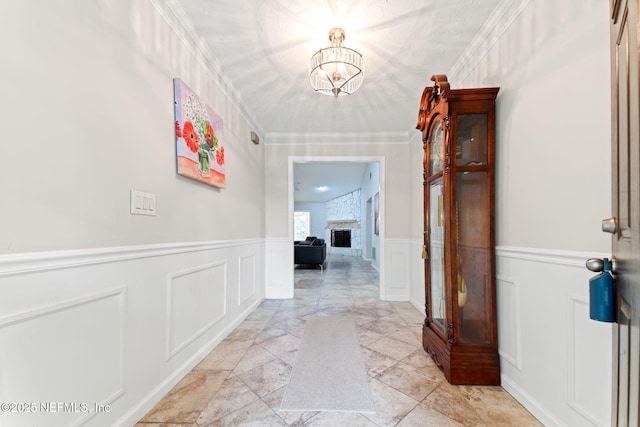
{"x": 416, "y": 207}
{"x": 98, "y": 305}
{"x": 553, "y": 125}
{"x": 99, "y": 91}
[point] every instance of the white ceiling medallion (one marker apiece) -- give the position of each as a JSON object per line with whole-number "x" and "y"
{"x": 336, "y": 70}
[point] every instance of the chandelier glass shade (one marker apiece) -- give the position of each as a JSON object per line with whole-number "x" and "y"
{"x": 336, "y": 70}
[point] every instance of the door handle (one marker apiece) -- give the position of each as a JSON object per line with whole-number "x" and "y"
{"x": 610, "y": 225}
{"x": 602, "y": 299}
{"x": 597, "y": 265}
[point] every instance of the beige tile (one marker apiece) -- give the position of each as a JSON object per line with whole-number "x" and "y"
{"x": 293, "y": 418}
{"x": 390, "y": 347}
{"x": 261, "y": 314}
{"x": 421, "y": 360}
{"x": 266, "y": 378}
{"x": 247, "y": 330}
{"x": 497, "y": 408}
{"x": 255, "y": 356}
{"x": 141, "y": 424}
{"x": 335, "y": 419}
{"x": 225, "y": 356}
{"x": 368, "y": 337}
{"x": 288, "y": 323}
{"x": 391, "y": 405}
{"x": 272, "y": 303}
{"x": 374, "y": 362}
{"x": 256, "y": 414}
{"x": 410, "y": 381}
{"x": 233, "y": 395}
{"x": 449, "y": 400}
{"x": 188, "y": 398}
{"x": 336, "y": 302}
{"x": 411, "y": 316}
{"x": 386, "y": 327}
{"x": 423, "y": 416}
{"x": 285, "y": 347}
{"x": 269, "y": 332}
{"x": 360, "y": 299}
{"x": 405, "y": 335}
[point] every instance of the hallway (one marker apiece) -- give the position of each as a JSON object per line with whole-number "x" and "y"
{"x": 242, "y": 381}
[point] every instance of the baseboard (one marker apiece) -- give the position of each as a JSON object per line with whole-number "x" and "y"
{"x": 529, "y": 403}
{"x": 279, "y": 294}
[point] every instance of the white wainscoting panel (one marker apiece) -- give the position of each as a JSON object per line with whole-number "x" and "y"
{"x": 279, "y": 268}
{"x": 247, "y": 280}
{"x": 397, "y": 283}
{"x": 417, "y": 297}
{"x": 97, "y": 327}
{"x": 554, "y": 359}
{"x": 509, "y": 322}
{"x": 196, "y": 300}
{"x": 587, "y": 338}
{"x": 67, "y": 346}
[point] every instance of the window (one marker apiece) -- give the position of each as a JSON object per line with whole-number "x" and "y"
{"x": 301, "y": 225}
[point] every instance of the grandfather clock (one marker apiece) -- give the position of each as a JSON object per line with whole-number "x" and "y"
{"x": 460, "y": 328}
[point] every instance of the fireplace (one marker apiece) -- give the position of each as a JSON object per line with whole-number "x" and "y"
{"x": 341, "y": 238}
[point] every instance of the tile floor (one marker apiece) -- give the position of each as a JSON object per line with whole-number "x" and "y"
{"x": 242, "y": 381}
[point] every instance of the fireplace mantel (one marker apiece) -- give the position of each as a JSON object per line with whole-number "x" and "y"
{"x": 342, "y": 223}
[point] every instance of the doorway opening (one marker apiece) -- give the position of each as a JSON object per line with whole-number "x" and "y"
{"x": 373, "y": 186}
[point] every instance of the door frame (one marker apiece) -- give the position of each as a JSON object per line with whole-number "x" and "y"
{"x": 342, "y": 159}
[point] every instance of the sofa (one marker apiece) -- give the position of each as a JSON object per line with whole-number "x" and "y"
{"x": 311, "y": 251}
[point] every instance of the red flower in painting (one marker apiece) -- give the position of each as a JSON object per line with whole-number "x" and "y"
{"x": 220, "y": 156}
{"x": 178, "y": 131}
{"x": 190, "y": 136}
{"x": 208, "y": 135}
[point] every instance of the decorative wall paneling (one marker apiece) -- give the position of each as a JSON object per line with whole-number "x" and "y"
{"x": 117, "y": 327}
{"x": 555, "y": 360}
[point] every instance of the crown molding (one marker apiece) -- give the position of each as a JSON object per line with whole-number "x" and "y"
{"x": 173, "y": 13}
{"x": 292, "y": 138}
{"x": 495, "y": 26}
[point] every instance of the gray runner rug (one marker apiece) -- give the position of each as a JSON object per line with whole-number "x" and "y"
{"x": 329, "y": 374}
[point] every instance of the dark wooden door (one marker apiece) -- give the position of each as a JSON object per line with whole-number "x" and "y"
{"x": 625, "y": 224}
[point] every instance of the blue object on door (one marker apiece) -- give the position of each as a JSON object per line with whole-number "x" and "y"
{"x": 602, "y": 302}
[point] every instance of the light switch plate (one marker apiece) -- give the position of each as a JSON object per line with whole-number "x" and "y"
{"x": 143, "y": 203}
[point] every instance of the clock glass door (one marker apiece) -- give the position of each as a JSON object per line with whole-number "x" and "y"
{"x": 435, "y": 226}
{"x": 436, "y": 254}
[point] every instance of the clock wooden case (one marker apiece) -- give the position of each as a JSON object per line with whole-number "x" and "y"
{"x": 460, "y": 328}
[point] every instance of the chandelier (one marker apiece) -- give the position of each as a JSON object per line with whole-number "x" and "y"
{"x": 336, "y": 70}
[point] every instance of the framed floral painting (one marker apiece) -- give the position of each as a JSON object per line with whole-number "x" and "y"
{"x": 199, "y": 141}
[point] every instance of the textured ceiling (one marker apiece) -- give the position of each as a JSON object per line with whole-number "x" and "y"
{"x": 261, "y": 50}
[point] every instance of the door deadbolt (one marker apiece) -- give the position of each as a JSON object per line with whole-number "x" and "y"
{"x": 610, "y": 225}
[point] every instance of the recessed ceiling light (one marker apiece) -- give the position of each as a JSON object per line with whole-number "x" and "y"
{"x": 322, "y": 188}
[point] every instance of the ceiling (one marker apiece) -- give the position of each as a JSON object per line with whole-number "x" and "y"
{"x": 324, "y": 181}
{"x": 261, "y": 50}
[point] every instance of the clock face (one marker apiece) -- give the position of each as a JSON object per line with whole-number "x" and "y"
{"x": 437, "y": 144}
